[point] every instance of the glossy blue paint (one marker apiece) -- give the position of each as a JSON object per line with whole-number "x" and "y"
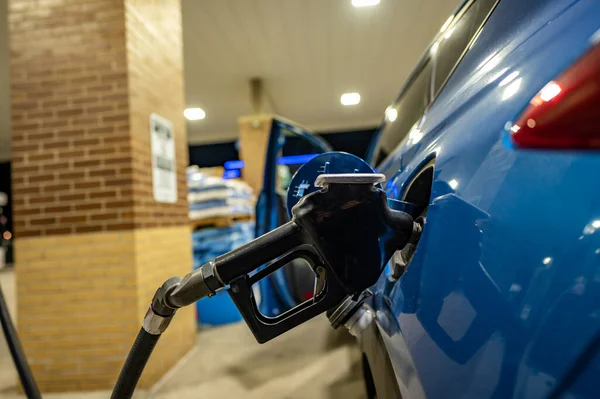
{"x": 501, "y": 299}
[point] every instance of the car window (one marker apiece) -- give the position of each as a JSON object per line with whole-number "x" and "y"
{"x": 415, "y": 99}
{"x": 456, "y": 38}
{"x": 410, "y": 106}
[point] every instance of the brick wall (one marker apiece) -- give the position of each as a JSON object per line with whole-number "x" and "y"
{"x": 83, "y": 88}
{"x": 72, "y": 163}
{"x": 93, "y": 245}
{"x": 76, "y": 331}
{"x": 155, "y": 65}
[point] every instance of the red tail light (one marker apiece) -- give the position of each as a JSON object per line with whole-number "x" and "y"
{"x": 565, "y": 114}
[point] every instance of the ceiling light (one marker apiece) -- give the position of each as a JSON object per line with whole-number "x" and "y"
{"x": 350, "y": 98}
{"x": 194, "y": 114}
{"x": 364, "y": 3}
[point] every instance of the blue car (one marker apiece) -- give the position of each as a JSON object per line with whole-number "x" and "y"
{"x": 494, "y": 140}
{"x": 494, "y": 137}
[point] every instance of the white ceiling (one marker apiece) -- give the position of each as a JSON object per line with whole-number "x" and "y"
{"x": 308, "y": 53}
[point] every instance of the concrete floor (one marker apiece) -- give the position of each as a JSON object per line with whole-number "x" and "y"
{"x": 311, "y": 361}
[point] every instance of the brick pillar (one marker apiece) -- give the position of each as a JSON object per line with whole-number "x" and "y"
{"x": 92, "y": 244}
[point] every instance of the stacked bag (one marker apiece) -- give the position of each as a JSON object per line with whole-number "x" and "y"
{"x": 212, "y": 196}
{"x": 207, "y": 244}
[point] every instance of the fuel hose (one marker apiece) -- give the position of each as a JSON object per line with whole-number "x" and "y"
{"x": 14, "y": 345}
{"x": 134, "y": 365}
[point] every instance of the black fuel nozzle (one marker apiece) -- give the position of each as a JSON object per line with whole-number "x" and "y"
{"x": 345, "y": 231}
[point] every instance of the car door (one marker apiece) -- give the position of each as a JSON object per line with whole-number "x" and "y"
{"x": 405, "y": 152}
{"x": 499, "y": 299}
{"x": 288, "y": 286}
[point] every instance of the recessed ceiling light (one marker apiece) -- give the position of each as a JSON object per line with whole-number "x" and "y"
{"x": 194, "y": 114}
{"x": 364, "y": 3}
{"x": 350, "y": 98}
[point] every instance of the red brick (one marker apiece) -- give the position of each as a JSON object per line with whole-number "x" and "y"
{"x": 87, "y": 184}
{"x": 69, "y": 112}
{"x": 102, "y": 129}
{"x": 55, "y": 166}
{"x": 88, "y": 228}
{"x": 70, "y": 133}
{"x": 40, "y": 136}
{"x": 115, "y": 118}
{"x": 41, "y": 178}
{"x": 43, "y": 222}
{"x": 83, "y": 164}
{"x": 117, "y": 160}
{"x": 88, "y": 206}
{"x": 59, "y": 230}
{"x": 73, "y": 219}
{"x": 103, "y": 194}
{"x": 54, "y": 145}
{"x": 119, "y": 204}
{"x": 40, "y": 157}
{"x": 57, "y": 208}
{"x": 56, "y": 187}
{"x": 71, "y": 197}
{"x": 103, "y": 172}
{"x": 64, "y": 155}
{"x": 27, "y": 212}
{"x": 25, "y": 168}
{"x": 105, "y": 216}
{"x": 120, "y": 226}
{"x": 71, "y": 175}
{"x": 102, "y": 151}
{"x": 117, "y": 182}
{"x": 46, "y": 199}
{"x": 86, "y": 142}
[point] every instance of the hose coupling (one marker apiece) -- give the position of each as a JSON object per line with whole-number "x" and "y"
{"x": 155, "y": 324}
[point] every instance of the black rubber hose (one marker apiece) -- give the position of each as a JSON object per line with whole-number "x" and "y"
{"x": 14, "y": 345}
{"x": 134, "y": 365}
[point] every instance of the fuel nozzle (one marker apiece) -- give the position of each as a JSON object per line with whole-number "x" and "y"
{"x": 345, "y": 231}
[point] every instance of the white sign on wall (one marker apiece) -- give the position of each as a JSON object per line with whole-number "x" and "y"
{"x": 164, "y": 173}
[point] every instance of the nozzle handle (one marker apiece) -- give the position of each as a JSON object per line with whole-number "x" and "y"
{"x": 258, "y": 252}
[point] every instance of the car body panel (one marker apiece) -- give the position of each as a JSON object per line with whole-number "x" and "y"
{"x": 501, "y": 297}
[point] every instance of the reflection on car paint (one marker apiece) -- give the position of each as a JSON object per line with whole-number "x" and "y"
{"x": 501, "y": 297}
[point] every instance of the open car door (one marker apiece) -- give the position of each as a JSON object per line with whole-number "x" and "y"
{"x": 293, "y": 283}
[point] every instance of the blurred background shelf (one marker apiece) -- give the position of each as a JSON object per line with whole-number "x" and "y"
{"x": 221, "y": 221}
